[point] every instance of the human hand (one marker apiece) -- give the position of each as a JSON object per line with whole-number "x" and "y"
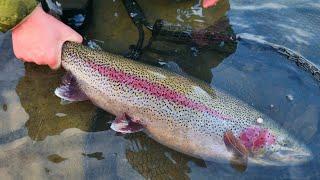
{"x": 209, "y": 3}
{"x": 39, "y": 39}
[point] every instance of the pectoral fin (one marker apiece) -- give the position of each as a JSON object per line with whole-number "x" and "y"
{"x": 69, "y": 89}
{"x": 125, "y": 125}
{"x": 239, "y": 160}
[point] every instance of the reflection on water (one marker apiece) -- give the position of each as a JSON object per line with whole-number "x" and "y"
{"x": 97, "y": 155}
{"x": 196, "y": 62}
{"x": 42, "y": 139}
{"x": 154, "y": 161}
{"x": 115, "y": 29}
{"x": 36, "y": 95}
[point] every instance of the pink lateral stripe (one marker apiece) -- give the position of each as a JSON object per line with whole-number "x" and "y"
{"x": 151, "y": 88}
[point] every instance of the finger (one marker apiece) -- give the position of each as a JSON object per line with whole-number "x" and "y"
{"x": 209, "y": 3}
{"x": 74, "y": 37}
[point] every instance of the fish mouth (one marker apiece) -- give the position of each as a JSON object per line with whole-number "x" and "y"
{"x": 292, "y": 156}
{"x": 285, "y": 157}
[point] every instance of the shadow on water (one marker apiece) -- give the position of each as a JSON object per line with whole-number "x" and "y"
{"x": 155, "y": 161}
{"x": 196, "y": 62}
{"x": 47, "y": 116}
{"x": 75, "y": 140}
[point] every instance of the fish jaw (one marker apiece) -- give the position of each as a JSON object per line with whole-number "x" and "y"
{"x": 286, "y": 151}
{"x": 284, "y": 157}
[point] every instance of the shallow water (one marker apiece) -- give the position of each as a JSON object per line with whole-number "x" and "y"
{"x": 40, "y": 138}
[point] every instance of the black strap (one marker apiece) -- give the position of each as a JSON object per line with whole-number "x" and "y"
{"x": 45, "y": 6}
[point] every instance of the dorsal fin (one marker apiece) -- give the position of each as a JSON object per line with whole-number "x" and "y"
{"x": 205, "y": 86}
{"x": 174, "y": 67}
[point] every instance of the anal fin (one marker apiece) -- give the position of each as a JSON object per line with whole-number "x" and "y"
{"x": 124, "y": 124}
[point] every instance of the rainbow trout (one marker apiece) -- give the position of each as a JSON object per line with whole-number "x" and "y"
{"x": 182, "y": 113}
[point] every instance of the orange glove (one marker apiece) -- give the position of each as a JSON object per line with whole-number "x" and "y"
{"x": 39, "y": 39}
{"x": 209, "y": 3}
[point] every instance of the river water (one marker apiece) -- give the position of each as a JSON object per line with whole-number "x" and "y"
{"x": 42, "y": 139}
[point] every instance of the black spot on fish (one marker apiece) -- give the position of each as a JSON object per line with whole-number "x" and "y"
{"x": 5, "y": 107}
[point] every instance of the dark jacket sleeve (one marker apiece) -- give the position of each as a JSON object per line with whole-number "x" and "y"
{"x": 13, "y": 11}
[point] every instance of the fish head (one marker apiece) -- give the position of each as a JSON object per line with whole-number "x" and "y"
{"x": 272, "y": 145}
{"x": 287, "y": 151}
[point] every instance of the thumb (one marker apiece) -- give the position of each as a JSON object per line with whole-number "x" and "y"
{"x": 209, "y": 3}
{"x": 68, "y": 35}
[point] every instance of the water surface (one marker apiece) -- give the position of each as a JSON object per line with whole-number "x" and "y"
{"x": 42, "y": 139}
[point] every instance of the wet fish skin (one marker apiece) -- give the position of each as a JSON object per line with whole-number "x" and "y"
{"x": 176, "y": 111}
